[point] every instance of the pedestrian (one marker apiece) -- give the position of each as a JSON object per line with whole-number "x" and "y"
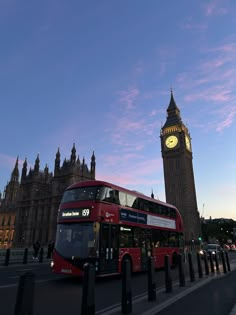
{"x": 50, "y": 249}
{"x": 36, "y": 247}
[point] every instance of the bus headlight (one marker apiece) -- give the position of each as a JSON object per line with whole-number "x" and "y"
{"x": 52, "y": 263}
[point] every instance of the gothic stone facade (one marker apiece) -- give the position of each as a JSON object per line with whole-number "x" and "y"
{"x": 7, "y": 209}
{"x": 38, "y": 197}
{"x": 178, "y": 170}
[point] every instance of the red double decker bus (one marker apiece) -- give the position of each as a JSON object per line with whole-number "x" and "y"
{"x": 104, "y": 224}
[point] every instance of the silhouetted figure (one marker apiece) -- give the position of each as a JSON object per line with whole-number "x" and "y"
{"x": 50, "y": 249}
{"x": 36, "y": 247}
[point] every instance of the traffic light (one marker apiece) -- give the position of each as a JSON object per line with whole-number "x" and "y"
{"x": 199, "y": 238}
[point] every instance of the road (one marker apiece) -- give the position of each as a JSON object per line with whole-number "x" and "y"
{"x": 56, "y": 294}
{"x": 216, "y": 298}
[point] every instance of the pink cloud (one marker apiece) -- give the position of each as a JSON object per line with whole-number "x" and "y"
{"x": 9, "y": 161}
{"x": 166, "y": 56}
{"x": 214, "y": 8}
{"x": 128, "y": 179}
{"x": 226, "y": 48}
{"x": 128, "y": 97}
{"x": 130, "y": 131}
{"x": 231, "y": 113}
{"x": 217, "y": 94}
{"x": 189, "y": 24}
{"x": 139, "y": 172}
{"x": 120, "y": 159}
{"x": 216, "y": 63}
{"x": 213, "y": 80}
{"x": 138, "y": 68}
{"x": 154, "y": 112}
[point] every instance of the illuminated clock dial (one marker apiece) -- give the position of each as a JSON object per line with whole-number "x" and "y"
{"x": 171, "y": 142}
{"x": 187, "y": 142}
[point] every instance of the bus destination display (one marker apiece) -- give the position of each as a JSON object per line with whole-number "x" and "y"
{"x": 78, "y": 213}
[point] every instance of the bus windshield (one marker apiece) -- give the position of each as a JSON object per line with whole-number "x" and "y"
{"x": 80, "y": 194}
{"x": 91, "y": 193}
{"x": 76, "y": 239}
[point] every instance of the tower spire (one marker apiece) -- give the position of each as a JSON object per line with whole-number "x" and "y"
{"x": 172, "y": 104}
{"x": 73, "y": 154}
{"x": 36, "y": 165}
{"x": 24, "y": 171}
{"x": 15, "y": 172}
{"x": 173, "y": 113}
{"x": 57, "y": 163}
{"x": 93, "y": 165}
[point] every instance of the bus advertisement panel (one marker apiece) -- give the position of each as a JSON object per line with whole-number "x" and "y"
{"x": 103, "y": 224}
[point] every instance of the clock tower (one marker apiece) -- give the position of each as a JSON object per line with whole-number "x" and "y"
{"x": 177, "y": 157}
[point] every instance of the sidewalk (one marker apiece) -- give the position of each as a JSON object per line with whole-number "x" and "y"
{"x": 195, "y": 298}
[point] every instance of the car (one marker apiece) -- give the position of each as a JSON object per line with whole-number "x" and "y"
{"x": 232, "y": 247}
{"x": 214, "y": 249}
{"x": 226, "y": 247}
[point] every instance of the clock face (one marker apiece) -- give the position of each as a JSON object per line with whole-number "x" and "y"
{"x": 171, "y": 142}
{"x": 187, "y": 142}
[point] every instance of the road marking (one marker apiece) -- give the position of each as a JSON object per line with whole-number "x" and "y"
{"x": 175, "y": 298}
{"x": 16, "y": 284}
{"x": 233, "y": 311}
{"x": 117, "y": 307}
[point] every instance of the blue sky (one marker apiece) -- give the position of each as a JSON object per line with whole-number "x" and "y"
{"x": 99, "y": 73}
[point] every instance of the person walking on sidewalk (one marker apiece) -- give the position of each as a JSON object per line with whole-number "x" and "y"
{"x": 36, "y": 247}
{"x": 50, "y": 249}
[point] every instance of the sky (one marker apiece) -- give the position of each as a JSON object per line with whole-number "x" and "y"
{"x": 98, "y": 73}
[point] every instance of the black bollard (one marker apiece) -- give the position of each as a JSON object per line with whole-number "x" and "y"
{"x": 126, "y": 296}
{"x": 25, "y": 257}
{"x": 181, "y": 271}
{"x": 223, "y": 261}
{"x": 191, "y": 270}
{"x": 25, "y": 295}
{"x": 151, "y": 281}
{"x": 7, "y": 257}
{"x": 41, "y": 255}
{"x": 206, "y": 263}
{"x": 227, "y": 260}
{"x": 211, "y": 262}
{"x": 199, "y": 265}
{"x": 217, "y": 262}
{"x": 168, "y": 279}
{"x": 88, "y": 294}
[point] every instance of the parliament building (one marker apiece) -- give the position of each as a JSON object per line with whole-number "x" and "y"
{"x": 29, "y": 204}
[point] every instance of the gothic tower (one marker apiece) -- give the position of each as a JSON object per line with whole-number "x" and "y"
{"x": 178, "y": 170}
{"x": 12, "y": 187}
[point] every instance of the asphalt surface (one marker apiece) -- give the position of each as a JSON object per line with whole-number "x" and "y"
{"x": 214, "y": 294}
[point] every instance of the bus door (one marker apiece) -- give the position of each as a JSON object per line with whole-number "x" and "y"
{"x": 146, "y": 247}
{"x": 109, "y": 248}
